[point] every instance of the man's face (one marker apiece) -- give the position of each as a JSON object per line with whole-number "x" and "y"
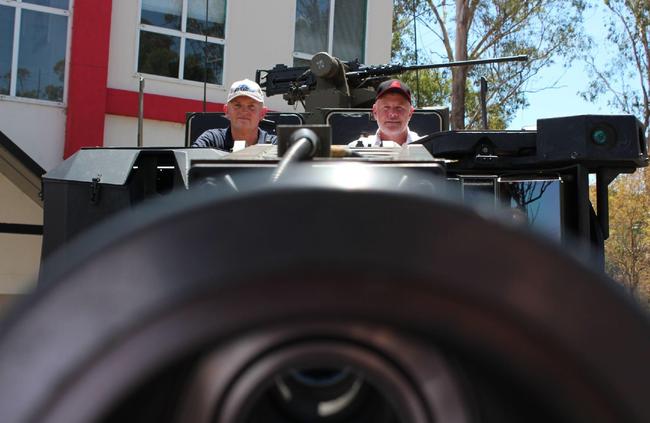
{"x": 244, "y": 113}
{"x": 392, "y": 112}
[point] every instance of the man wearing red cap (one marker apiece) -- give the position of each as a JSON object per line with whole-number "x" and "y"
{"x": 392, "y": 111}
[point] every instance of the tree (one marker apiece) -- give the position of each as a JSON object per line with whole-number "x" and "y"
{"x": 435, "y": 85}
{"x": 523, "y": 194}
{"x": 624, "y": 79}
{"x": 628, "y": 247}
{"x": 4, "y": 87}
{"x": 23, "y": 76}
{"x": 59, "y": 69}
{"x": 471, "y": 29}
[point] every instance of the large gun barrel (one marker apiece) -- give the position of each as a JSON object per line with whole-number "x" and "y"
{"x": 388, "y": 70}
{"x": 348, "y": 84}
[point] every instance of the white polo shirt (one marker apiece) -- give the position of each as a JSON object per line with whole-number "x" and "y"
{"x": 375, "y": 141}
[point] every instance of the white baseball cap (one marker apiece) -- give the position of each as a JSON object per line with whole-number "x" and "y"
{"x": 246, "y": 87}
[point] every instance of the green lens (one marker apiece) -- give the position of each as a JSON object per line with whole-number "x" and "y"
{"x": 599, "y": 137}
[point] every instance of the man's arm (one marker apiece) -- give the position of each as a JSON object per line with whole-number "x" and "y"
{"x": 213, "y": 138}
{"x": 266, "y": 138}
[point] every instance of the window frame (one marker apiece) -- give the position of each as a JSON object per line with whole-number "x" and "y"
{"x": 330, "y": 33}
{"x": 19, "y": 6}
{"x": 183, "y": 35}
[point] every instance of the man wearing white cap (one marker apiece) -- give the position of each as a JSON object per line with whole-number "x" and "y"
{"x": 244, "y": 109}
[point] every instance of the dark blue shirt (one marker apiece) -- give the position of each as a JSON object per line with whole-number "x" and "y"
{"x": 221, "y": 138}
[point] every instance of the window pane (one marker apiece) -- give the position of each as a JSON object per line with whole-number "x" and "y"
{"x": 41, "y": 57}
{"x": 216, "y": 17}
{"x": 349, "y": 29}
{"x": 165, "y": 13}
{"x": 298, "y": 62}
{"x": 539, "y": 202}
{"x": 312, "y": 26}
{"x": 6, "y": 43}
{"x": 159, "y": 54}
{"x": 195, "y": 65}
{"x": 61, "y": 4}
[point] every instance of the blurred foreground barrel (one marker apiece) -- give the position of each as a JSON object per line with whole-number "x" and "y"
{"x": 255, "y": 305}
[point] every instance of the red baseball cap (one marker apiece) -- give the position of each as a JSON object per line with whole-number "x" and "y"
{"x": 394, "y": 85}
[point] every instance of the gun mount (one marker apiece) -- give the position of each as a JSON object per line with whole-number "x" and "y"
{"x": 331, "y": 83}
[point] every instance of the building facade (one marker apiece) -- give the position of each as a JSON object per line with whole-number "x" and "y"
{"x": 70, "y": 73}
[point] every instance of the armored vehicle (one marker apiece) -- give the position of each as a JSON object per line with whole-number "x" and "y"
{"x": 313, "y": 282}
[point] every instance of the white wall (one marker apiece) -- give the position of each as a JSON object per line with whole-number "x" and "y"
{"x": 256, "y": 40}
{"x": 253, "y": 41}
{"x": 122, "y": 61}
{"x": 379, "y": 31}
{"x": 19, "y": 254}
{"x": 120, "y": 131}
{"x": 16, "y": 207}
{"x": 20, "y": 257}
{"x": 37, "y": 129}
{"x": 259, "y": 35}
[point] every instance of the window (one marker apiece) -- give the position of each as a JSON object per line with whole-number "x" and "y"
{"x": 33, "y": 45}
{"x": 173, "y": 39}
{"x": 335, "y": 26}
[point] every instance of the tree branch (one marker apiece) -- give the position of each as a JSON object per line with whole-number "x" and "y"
{"x": 443, "y": 29}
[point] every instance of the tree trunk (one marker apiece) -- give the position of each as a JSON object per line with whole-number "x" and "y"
{"x": 459, "y": 74}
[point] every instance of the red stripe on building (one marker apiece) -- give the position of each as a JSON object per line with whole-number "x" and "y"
{"x": 89, "y": 99}
{"x": 91, "y": 30}
{"x": 156, "y": 107}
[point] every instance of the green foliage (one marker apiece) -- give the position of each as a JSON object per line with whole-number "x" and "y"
{"x": 434, "y": 86}
{"x": 54, "y": 92}
{"x": 545, "y": 30}
{"x": 402, "y": 50}
{"x": 628, "y": 247}
{"x": 59, "y": 69}
{"x": 158, "y": 54}
{"x": 4, "y": 86}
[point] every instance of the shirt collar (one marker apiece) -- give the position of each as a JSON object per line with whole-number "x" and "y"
{"x": 410, "y": 137}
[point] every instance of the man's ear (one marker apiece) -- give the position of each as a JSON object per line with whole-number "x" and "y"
{"x": 263, "y": 112}
{"x": 225, "y": 108}
{"x": 374, "y": 111}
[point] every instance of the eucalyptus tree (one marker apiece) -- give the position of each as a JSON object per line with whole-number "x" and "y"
{"x": 620, "y": 69}
{"x": 545, "y": 30}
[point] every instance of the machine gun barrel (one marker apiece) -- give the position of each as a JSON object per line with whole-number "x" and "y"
{"x": 384, "y": 70}
{"x": 352, "y": 81}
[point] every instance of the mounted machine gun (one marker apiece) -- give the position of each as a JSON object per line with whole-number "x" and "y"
{"x": 331, "y": 83}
